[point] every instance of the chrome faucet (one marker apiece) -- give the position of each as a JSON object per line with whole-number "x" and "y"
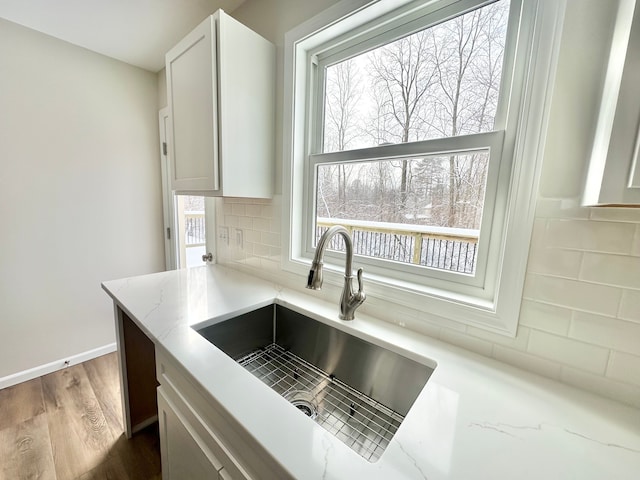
{"x": 349, "y": 300}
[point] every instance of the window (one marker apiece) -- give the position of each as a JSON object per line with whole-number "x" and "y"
{"x": 441, "y": 81}
{"x": 418, "y": 126}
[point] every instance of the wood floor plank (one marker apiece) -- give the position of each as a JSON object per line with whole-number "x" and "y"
{"x": 68, "y": 425}
{"x": 112, "y": 469}
{"x": 105, "y": 381}
{"x": 140, "y": 454}
{"x": 21, "y": 402}
{"x": 25, "y": 451}
{"x": 80, "y": 436}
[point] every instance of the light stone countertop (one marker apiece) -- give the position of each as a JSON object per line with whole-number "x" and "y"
{"x": 475, "y": 419}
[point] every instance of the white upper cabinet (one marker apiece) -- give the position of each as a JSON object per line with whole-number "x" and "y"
{"x": 613, "y": 177}
{"x": 221, "y": 96}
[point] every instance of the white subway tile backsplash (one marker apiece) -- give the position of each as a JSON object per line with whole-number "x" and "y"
{"x": 542, "y": 316}
{"x": 467, "y": 342}
{"x": 608, "y": 332}
{"x": 253, "y": 210}
{"x": 573, "y": 294}
{"x": 388, "y": 311}
{"x": 231, "y": 221}
{"x": 253, "y": 262}
{"x": 425, "y": 316}
{"x": 238, "y": 254}
{"x": 248, "y": 248}
{"x": 577, "y": 354}
{"x": 261, "y": 250}
{"x": 238, "y": 209}
{"x": 275, "y": 253}
{"x": 553, "y": 261}
{"x": 420, "y": 326}
{"x": 604, "y": 386}
{"x": 527, "y": 361}
{"x": 271, "y": 239}
{"x": 266, "y": 211}
{"x": 261, "y": 224}
{"x": 630, "y": 306}
{"x": 275, "y": 225}
{"x": 397, "y": 314}
{"x": 624, "y": 367}
{"x": 252, "y": 236}
{"x": 519, "y": 342}
{"x": 618, "y": 270}
{"x": 606, "y": 237}
{"x": 245, "y": 222}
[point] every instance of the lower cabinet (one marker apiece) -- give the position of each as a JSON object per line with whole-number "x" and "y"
{"x": 198, "y": 440}
{"x": 184, "y": 454}
{"x": 189, "y": 446}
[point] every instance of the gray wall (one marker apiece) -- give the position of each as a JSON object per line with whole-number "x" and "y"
{"x": 80, "y": 194}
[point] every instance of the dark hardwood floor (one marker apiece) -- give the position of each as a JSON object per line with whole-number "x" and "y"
{"x": 68, "y": 425}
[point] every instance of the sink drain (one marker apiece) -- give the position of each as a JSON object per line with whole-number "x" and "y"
{"x": 304, "y": 402}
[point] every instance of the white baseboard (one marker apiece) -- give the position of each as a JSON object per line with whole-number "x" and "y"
{"x": 40, "y": 370}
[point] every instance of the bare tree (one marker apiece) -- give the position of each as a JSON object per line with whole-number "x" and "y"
{"x": 343, "y": 91}
{"x": 402, "y": 73}
{"x": 342, "y": 95}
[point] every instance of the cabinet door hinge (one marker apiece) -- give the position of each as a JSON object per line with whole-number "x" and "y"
{"x": 164, "y": 148}
{"x": 168, "y": 233}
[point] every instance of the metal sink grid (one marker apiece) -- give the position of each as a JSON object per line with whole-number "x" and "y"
{"x": 364, "y": 425}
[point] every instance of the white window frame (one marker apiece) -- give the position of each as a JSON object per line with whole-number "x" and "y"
{"x": 490, "y": 299}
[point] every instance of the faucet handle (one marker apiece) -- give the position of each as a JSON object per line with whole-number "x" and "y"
{"x": 358, "y": 298}
{"x": 351, "y": 300}
{"x": 360, "y": 284}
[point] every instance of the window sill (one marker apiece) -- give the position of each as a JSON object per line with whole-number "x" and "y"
{"x": 465, "y": 309}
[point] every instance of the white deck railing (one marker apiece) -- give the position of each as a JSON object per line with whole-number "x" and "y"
{"x": 194, "y": 232}
{"x": 444, "y": 248}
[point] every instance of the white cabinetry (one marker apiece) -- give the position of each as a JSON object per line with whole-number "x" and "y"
{"x": 184, "y": 453}
{"x": 198, "y": 440}
{"x": 221, "y": 96}
{"x": 613, "y": 177}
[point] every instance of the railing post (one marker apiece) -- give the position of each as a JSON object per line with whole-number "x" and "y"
{"x": 417, "y": 247}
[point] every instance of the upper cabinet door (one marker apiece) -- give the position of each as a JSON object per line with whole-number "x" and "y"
{"x": 613, "y": 177}
{"x": 193, "y": 104}
{"x": 221, "y": 95}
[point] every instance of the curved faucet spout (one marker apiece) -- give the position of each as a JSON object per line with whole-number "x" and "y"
{"x": 349, "y": 300}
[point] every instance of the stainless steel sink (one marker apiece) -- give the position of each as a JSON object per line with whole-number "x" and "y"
{"x": 358, "y": 391}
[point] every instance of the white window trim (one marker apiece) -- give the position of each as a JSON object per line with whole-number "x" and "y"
{"x": 498, "y": 310}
